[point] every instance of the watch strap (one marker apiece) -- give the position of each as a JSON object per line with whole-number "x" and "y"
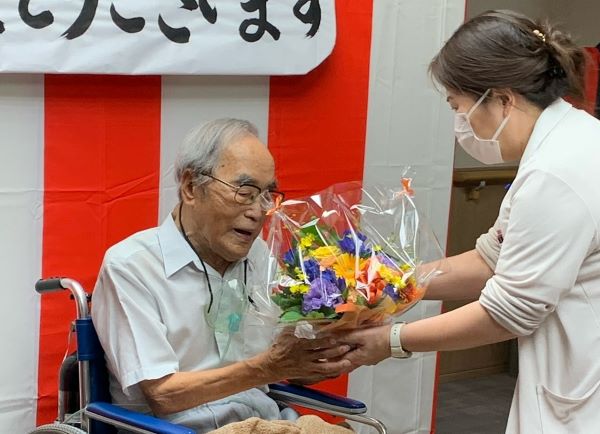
{"x": 396, "y": 343}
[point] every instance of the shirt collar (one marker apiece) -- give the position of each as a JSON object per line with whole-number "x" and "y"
{"x": 177, "y": 253}
{"x": 548, "y": 119}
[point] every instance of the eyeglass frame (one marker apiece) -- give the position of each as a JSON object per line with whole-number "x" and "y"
{"x": 237, "y": 188}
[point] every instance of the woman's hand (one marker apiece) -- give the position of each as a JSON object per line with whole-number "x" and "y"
{"x": 369, "y": 346}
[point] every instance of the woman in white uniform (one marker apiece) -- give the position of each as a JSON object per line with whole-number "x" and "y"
{"x": 536, "y": 273}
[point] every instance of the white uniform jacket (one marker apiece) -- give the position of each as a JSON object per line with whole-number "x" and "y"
{"x": 545, "y": 252}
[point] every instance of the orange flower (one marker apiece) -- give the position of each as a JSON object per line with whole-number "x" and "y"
{"x": 376, "y": 290}
{"x": 365, "y": 269}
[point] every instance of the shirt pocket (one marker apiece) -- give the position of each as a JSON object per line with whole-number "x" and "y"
{"x": 567, "y": 414}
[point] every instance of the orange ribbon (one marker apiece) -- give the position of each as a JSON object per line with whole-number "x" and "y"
{"x": 276, "y": 206}
{"x": 407, "y": 188}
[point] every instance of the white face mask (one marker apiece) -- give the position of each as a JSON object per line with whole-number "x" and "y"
{"x": 486, "y": 151}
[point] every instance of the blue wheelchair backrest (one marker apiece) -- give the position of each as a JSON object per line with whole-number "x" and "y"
{"x": 89, "y": 348}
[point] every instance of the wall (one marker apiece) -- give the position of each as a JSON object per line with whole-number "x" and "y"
{"x": 468, "y": 220}
{"x": 578, "y": 17}
{"x": 581, "y": 18}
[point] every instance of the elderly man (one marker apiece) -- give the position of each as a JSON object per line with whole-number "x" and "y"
{"x": 175, "y": 306}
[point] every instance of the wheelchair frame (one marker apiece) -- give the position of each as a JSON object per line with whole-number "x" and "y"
{"x": 99, "y": 416}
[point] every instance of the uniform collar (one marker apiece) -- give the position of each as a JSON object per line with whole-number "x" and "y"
{"x": 548, "y": 119}
{"x": 177, "y": 253}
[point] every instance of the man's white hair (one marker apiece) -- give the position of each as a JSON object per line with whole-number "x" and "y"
{"x": 202, "y": 147}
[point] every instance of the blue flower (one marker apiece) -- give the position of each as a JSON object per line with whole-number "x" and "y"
{"x": 329, "y": 274}
{"x": 312, "y": 269}
{"x": 391, "y": 291}
{"x": 290, "y": 257}
{"x": 322, "y": 293}
{"x": 348, "y": 243}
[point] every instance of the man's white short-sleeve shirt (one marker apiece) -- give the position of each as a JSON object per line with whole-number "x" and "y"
{"x": 149, "y": 308}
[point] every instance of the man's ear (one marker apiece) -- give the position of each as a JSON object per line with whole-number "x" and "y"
{"x": 187, "y": 187}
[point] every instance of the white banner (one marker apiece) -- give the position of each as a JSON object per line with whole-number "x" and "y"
{"x": 250, "y": 37}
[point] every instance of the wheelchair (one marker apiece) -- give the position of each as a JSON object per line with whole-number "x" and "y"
{"x": 84, "y": 405}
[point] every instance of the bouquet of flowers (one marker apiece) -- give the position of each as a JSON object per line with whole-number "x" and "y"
{"x": 350, "y": 255}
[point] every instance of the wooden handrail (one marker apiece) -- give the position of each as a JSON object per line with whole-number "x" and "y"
{"x": 473, "y": 177}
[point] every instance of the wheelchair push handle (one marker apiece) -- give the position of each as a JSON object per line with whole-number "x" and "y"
{"x": 52, "y": 284}
{"x": 55, "y": 284}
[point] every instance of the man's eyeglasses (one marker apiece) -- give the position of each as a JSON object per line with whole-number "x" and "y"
{"x": 247, "y": 194}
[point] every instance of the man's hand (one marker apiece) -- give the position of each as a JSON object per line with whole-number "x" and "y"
{"x": 369, "y": 346}
{"x": 290, "y": 357}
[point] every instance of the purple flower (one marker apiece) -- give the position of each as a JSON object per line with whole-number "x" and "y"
{"x": 348, "y": 243}
{"x": 312, "y": 269}
{"x": 322, "y": 293}
{"x": 385, "y": 260}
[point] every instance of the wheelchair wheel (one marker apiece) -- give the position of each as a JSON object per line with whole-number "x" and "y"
{"x": 57, "y": 428}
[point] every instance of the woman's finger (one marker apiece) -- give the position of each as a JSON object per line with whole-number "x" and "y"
{"x": 331, "y": 353}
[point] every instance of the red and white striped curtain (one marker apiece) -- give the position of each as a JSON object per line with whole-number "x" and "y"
{"x": 87, "y": 160}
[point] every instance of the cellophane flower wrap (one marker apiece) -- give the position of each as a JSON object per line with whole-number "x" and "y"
{"x": 350, "y": 256}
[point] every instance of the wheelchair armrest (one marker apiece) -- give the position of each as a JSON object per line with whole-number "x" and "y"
{"x": 120, "y": 417}
{"x": 300, "y": 395}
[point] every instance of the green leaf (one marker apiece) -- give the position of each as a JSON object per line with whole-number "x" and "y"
{"x": 309, "y": 230}
{"x": 291, "y": 316}
{"x": 287, "y": 302}
{"x": 323, "y": 313}
{"x": 345, "y": 293}
{"x": 315, "y": 315}
{"x": 295, "y": 309}
{"x": 327, "y": 311}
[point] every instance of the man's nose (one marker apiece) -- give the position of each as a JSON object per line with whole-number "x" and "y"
{"x": 255, "y": 211}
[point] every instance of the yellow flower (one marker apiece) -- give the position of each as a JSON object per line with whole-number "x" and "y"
{"x": 392, "y": 277}
{"x": 326, "y": 255}
{"x": 299, "y": 274}
{"x": 307, "y": 240}
{"x": 346, "y": 267}
{"x": 299, "y": 289}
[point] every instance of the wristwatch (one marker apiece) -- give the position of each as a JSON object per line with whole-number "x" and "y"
{"x": 396, "y": 344}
